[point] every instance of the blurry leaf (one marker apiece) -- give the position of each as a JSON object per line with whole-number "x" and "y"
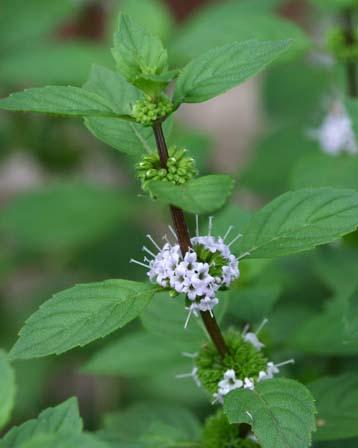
{"x": 270, "y": 170}
{"x": 23, "y": 21}
{"x": 52, "y": 63}
{"x": 114, "y": 88}
{"x": 7, "y": 389}
{"x": 165, "y": 316}
{"x": 280, "y": 411}
{"x": 323, "y": 333}
{"x": 238, "y": 21}
{"x": 351, "y": 320}
{"x": 80, "y": 315}
{"x": 153, "y": 15}
{"x": 136, "y": 52}
{"x": 336, "y": 399}
{"x": 223, "y": 68}
{"x": 200, "y": 195}
{"x": 352, "y": 109}
{"x": 334, "y": 4}
{"x": 62, "y": 419}
{"x": 65, "y": 441}
{"x": 299, "y": 221}
{"x": 71, "y": 101}
{"x": 137, "y": 354}
{"x": 62, "y": 216}
{"x": 143, "y": 422}
{"x": 322, "y": 170}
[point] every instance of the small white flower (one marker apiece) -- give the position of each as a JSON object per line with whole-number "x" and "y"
{"x": 254, "y": 340}
{"x": 229, "y": 383}
{"x": 336, "y": 135}
{"x": 249, "y": 383}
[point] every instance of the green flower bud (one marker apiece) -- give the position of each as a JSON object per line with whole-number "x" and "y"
{"x": 219, "y": 433}
{"x": 242, "y": 357}
{"x": 150, "y": 110}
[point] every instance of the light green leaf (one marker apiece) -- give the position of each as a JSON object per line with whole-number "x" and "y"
{"x": 337, "y": 399}
{"x": 322, "y": 170}
{"x": 126, "y": 136}
{"x": 136, "y": 52}
{"x": 62, "y": 419}
{"x": 239, "y": 21}
{"x": 80, "y": 315}
{"x": 280, "y": 411}
{"x": 201, "y": 195}
{"x": 138, "y": 354}
{"x": 7, "y": 389}
{"x": 222, "y": 68}
{"x": 61, "y": 217}
{"x": 299, "y": 221}
{"x": 52, "y": 63}
{"x": 65, "y": 441}
{"x": 58, "y": 100}
{"x": 114, "y": 88}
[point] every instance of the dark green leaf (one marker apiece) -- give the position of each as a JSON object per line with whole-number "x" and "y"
{"x": 80, "y": 315}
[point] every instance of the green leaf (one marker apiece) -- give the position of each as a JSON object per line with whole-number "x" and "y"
{"x": 65, "y": 441}
{"x": 280, "y": 411}
{"x": 80, "y": 315}
{"x": 201, "y": 195}
{"x": 136, "y": 52}
{"x": 59, "y": 100}
{"x": 223, "y": 68}
{"x": 62, "y": 419}
{"x": 334, "y": 4}
{"x": 299, "y": 221}
{"x": 138, "y": 354}
{"x": 336, "y": 399}
{"x": 351, "y": 105}
{"x": 239, "y": 21}
{"x": 114, "y": 88}
{"x": 322, "y": 170}
{"x": 7, "y": 389}
{"x": 61, "y": 217}
{"x": 351, "y": 319}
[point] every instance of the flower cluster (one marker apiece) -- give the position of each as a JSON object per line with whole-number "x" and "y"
{"x": 219, "y": 433}
{"x": 180, "y": 168}
{"x": 204, "y": 270}
{"x": 336, "y": 134}
{"x": 242, "y": 368}
{"x": 150, "y": 110}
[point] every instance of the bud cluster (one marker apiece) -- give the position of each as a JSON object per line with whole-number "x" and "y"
{"x": 180, "y": 168}
{"x": 219, "y": 433}
{"x": 149, "y": 110}
{"x": 338, "y": 46}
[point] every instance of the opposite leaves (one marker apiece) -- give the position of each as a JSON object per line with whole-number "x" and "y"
{"x": 7, "y": 389}
{"x": 299, "y": 221}
{"x": 222, "y": 68}
{"x": 280, "y": 411}
{"x": 80, "y": 315}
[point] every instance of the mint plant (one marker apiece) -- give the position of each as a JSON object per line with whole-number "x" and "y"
{"x": 131, "y": 109}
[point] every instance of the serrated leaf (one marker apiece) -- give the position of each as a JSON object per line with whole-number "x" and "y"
{"x": 280, "y": 411}
{"x": 126, "y": 136}
{"x": 7, "y": 389}
{"x": 65, "y": 441}
{"x": 138, "y": 355}
{"x": 322, "y": 170}
{"x": 136, "y": 52}
{"x": 336, "y": 399}
{"x": 239, "y": 21}
{"x": 114, "y": 88}
{"x": 62, "y": 419}
{"x": 200, "y": 195}
{"x": 223, "y": 68}
{"x": 60, "y": 217}
{"x": 80, "y": 315}
{"x": 300, "y": 220}
{"x": 59, "y": 100}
